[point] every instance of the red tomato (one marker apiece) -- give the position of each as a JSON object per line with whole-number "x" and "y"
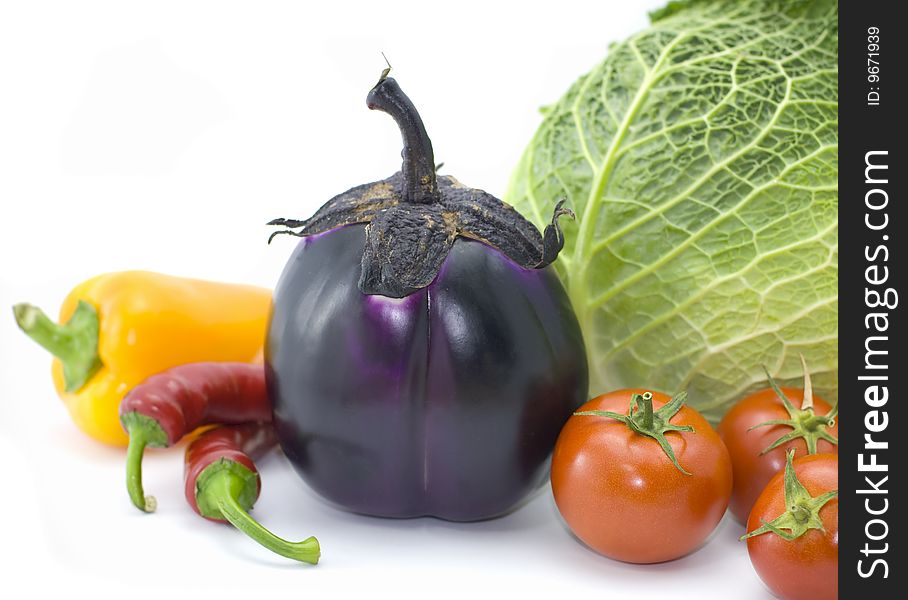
{"x": 804, "y": 568}
{"x": 745, "y": 442}
{"x": 621, "y": 494}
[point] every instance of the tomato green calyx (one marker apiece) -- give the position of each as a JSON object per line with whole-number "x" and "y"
{"x": 642, "y": 419}
{"x": 804, "y": 422}
{"x": 803, "y": 512}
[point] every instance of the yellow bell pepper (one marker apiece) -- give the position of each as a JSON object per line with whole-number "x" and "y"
{"x": 120, "y": 328}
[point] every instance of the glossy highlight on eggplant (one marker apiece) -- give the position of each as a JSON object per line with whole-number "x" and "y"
{"x": 429, "y": 384}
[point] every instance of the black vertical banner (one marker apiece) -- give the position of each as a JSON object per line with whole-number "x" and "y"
{"x": 872, "y": 171}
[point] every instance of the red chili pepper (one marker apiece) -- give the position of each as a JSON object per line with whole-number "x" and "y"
{"x": 222, "y": 483}
{"x": 162, "y": 409}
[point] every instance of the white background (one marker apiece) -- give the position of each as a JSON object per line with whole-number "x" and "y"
{"x": 162, "y": 136}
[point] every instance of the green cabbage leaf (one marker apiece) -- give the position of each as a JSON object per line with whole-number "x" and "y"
{"x": 701, "y": 160}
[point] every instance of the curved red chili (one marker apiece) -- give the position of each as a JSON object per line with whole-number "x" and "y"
{"x": 162, "y": 409}
{"x": 222, "y": 483}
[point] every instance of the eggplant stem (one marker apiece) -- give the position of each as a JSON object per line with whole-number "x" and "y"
{"x": 420, "y": 185}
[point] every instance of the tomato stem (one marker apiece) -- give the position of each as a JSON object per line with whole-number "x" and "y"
{"x": 645, "y": 400}
{"x": 807, "y": 402}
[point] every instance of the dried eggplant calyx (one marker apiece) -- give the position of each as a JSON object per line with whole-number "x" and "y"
{"x": 413, "y": 217}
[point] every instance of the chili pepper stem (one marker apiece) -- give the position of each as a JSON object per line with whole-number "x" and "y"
{"x": 143, "y": 431}
{"x": 224, "y": 488}
{"x": 75, "y": 343}
{"x": 134, "y": 452}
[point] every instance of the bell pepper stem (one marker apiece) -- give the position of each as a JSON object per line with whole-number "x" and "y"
{"x": 224, "y": 488}
{"x": 75, "y": 343}
{"x": 143, "y": 431}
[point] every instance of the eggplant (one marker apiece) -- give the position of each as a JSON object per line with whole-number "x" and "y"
{"x": 422, "y": 355}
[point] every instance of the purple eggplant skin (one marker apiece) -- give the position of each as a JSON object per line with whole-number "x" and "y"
{"x": 446, "y": 402}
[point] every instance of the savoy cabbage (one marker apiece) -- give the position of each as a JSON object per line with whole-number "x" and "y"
{"x": 701, "y": 160}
